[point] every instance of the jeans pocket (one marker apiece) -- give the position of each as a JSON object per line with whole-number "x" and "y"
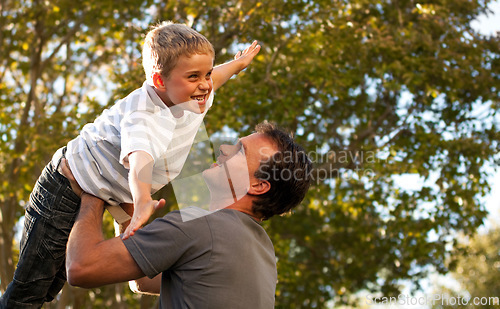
{"x": 42, "y": 199}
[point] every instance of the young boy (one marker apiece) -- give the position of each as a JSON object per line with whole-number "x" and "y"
{"x": 129, "y": 152}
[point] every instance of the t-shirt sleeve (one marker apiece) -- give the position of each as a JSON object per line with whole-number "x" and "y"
{"x": 149, "y": 132}
{"x": 168, "y": 242}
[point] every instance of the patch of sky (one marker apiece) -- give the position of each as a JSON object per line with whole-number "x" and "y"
{"x": 487, "y": 24}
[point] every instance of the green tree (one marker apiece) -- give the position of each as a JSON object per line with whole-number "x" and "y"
{"x": 373, "y": 89}
{"x": 478, "y": 274}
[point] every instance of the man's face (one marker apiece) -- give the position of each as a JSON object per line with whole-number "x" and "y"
{"x": 233, "y": 174}
{"x": 190, "y": 83}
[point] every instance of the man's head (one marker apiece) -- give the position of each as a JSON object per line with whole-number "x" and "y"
{"x": 266, "y": 168}
{"x": 287, "y": 171}
{"x": 166, "y": 43}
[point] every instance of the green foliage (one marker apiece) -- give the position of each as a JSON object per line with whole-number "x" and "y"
{"x": 372, "y": 89}
{"x": 407, "y": 85}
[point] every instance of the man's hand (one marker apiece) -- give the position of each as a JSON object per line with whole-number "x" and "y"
{"x": 246, "y": 56}
{"x": 141, "y": 215}
{"x": 66, "y": 171}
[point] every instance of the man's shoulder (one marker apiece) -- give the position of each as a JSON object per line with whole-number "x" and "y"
{"x": 190, "y": 213}
{"x": 194, "y": 217}
{"x": 190, "y": 221}
{"x": 239, "y": 225}
{"x": 223, "y": 219}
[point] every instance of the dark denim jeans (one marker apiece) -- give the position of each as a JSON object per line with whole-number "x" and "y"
{"x": 49, "y": 217}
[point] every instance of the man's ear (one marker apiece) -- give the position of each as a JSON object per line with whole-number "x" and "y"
{"x": 158, "y": 81}
{"x": 259, "y": 187}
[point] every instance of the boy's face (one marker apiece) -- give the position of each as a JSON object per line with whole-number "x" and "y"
{"x": 189, "y": 83}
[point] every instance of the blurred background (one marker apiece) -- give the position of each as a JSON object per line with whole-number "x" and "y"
{"x": 396, "y": 101}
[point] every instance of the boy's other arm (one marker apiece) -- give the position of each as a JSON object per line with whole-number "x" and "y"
{"x": 140, "y": 180}
{"x": 222, "y": 73}
{"x": 92, "y": 261}
{"x": 145, "y": 285}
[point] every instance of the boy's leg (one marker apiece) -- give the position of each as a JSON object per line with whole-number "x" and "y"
{"x": 49, "y": 217}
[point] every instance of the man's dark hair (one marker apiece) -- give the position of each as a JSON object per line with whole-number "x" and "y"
{"x": 287, "y": 171}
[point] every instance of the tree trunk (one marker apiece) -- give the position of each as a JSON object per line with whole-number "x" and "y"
{"x": 6, "y": 240}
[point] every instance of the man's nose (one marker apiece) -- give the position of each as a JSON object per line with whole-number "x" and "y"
{"x": 223, "y": 150}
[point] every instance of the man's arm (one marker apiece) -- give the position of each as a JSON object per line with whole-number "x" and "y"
{"x": 142, "y": 285}
{"x": 92, "y": 261}
{"x": 222, "y": 73}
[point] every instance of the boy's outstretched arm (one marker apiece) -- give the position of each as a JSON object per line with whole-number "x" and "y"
{"x": 222, "y": 73}
{"x": 140, "y": 179}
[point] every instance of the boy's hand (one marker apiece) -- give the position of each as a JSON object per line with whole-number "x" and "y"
{"x": 246, "y": 56}
{"x": 222, "y": 73}
{"x": 141, "y": 215}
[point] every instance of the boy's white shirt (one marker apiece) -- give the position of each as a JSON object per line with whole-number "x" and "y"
{"x": 140, "y": 121}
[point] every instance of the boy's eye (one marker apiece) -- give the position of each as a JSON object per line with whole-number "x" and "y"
{"x": 193, "y": 76}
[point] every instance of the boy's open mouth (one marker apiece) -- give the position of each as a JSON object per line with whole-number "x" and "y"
{"x": 199, "y": 98}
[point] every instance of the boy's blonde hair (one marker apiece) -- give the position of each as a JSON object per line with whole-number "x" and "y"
{"x": 166, "y": 42}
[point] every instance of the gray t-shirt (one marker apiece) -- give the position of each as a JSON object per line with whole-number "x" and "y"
{"x": 224, "y": 259}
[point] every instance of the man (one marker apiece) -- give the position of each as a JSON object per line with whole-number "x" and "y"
{"x": 216, "y": 259}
